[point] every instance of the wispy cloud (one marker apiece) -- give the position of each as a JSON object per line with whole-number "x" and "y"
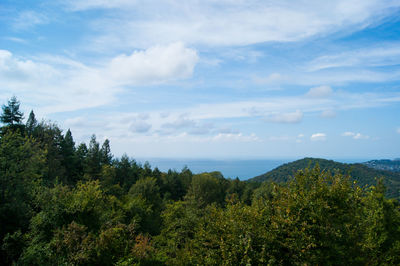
{"x": 15, "y": 39}
{"x": 385, "y": 54}
{"x": 28, "y": 19}
{"x": 228, "y": 22}
{"x": 292, "y": 117}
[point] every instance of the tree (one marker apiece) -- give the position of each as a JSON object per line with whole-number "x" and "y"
{"x": 93, "y": 159}
{"x": 105, "y": 152}
{"x": 12, "y": 116}
{"x": 31, "y": 124}
{"x": 21, "y": 170}
{"x": 70, "y": 159}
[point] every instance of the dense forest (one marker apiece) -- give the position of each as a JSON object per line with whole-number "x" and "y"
{"x": 63, "y": 203}
{"x": 363, "y": 174}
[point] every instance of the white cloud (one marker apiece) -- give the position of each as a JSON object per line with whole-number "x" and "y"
{"x": 61, "y": 84}
{"x": 318, "y": 137}
{"x": 154, "y": 65}
{"x": 354, "y": 135}
{"x": 228, "y": 22}
{"x": 232, "y": 137}
{"x": 328, "y": 113}
{"x": 320, "y": 92}
{"x": 292, "y": 117}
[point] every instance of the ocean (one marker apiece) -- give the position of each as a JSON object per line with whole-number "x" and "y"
{"x": 230, "y": 168}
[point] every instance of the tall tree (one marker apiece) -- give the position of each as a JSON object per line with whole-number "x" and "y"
{"x": 105, "y": 152}
{"x": 31, "y": 124}
{"x": 12, "y": 116}
{"x": 93, "y": 159}
{"x": 70, "y": 158}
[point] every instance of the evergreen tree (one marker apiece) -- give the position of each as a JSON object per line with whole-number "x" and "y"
{"x": 105, "y": 152}
{"x": 93, "y": 159}
{"x": 31, "y": 124}
{"x": 12, "y": 116}
{"x": 69, "y": 161}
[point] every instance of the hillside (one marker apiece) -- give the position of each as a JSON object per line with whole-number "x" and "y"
{"x": 388, "y": 165}
{"x": 361, "y": 173}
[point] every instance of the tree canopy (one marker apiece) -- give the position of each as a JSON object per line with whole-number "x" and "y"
{"x": 63, "y": 203}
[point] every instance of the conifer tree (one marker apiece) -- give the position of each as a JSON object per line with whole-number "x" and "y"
{"x": 31, "y": 124}
{"x": 105, "y": 151}
{"x": 12, "y": 116}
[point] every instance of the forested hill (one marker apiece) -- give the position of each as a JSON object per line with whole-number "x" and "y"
{"x": 361, "y": 173}
{"x": 389, "y": 165}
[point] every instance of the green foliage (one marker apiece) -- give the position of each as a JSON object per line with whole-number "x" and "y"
{"x": 362, "y": 174}
{"x": 12, "y": 116}
{"x": 207, "y": 188}
{"x": 67, "y": 205}
{"x": 21, "y": 165}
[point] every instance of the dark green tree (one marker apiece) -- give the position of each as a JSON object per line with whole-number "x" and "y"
{"x": 105, "y": 151}
{"x": 93, "y": 159}
{"x": 31, "y": 124}
{"x": 70, "y": 159}
{"x": 21, "y": 168}
{"x": 12, "y": 116}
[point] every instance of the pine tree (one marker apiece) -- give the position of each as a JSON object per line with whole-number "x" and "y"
{"x": 105, "y": 151}
{"x": 12, "y": 116}
{"x": 70, "y": 158}
{"x": 31, "y": 124}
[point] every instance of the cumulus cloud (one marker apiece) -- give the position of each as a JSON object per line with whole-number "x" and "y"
{"x": 318, "y": 137}
{"x": 20, "y": 70}
{"x": 61, "y": 84}
{"x": 154, "y": 65}
{"x": 354, "y": 135}
{"x": 292, "y": 117}
{"x": 320, "y": 92}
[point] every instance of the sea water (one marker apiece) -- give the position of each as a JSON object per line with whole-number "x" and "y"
{"x": 230, "y": 168}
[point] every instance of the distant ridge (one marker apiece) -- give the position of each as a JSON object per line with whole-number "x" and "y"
{"x": 361, "y": 173}
{"x": 388, "y": 165}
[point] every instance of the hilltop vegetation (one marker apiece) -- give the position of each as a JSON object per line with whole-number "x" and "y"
{"x": 362, "y": 174}
{"x": 68, "y": 204}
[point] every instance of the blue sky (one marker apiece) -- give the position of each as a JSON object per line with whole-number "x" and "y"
{"x": 210, "y": 79}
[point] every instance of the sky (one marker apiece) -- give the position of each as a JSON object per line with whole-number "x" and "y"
{"x": 210, "y": 79}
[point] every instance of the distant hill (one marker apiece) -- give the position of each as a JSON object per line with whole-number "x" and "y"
{"x": 361, "y": 173}
{"x": 388, "y": 165}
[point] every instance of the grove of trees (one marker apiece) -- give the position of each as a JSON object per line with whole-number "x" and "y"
{"x": 63, "y": 203}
